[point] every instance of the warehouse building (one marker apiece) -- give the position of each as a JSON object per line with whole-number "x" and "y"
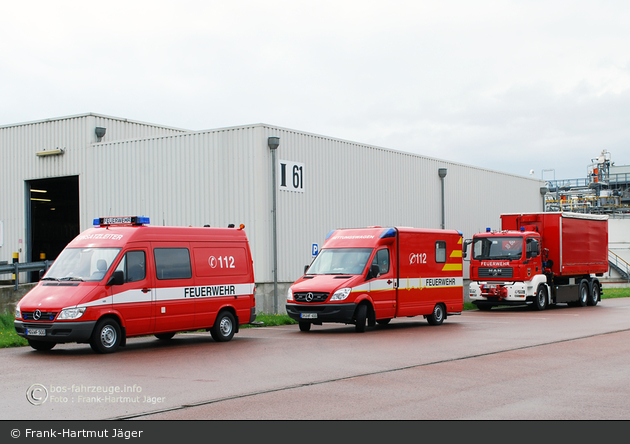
{"x": 289, "y": 188}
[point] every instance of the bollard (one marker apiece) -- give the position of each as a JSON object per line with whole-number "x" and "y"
{"x": 16, "y": 259}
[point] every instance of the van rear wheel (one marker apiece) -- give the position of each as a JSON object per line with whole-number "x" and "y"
{"x": 224, "y": 327}
{"x": 106, "y": 336}
{"x": 438, "y": 315}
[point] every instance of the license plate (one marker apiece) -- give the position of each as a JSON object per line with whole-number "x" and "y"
{"x": 35, "y": 332}
{"x": 308, "y": 315}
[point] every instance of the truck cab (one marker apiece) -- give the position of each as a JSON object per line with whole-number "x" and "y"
{"x": 506, "y": 268}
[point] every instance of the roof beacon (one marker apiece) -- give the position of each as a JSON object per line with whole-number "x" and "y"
{"x": 121, "y": 221}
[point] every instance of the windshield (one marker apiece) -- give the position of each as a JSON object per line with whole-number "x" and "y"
{"x": 340, "y": 261}
{"x": 82, "y": 264}
{"x": 490, "y": 248}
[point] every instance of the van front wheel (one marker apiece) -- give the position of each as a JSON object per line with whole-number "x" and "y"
{"x": 106, "y": 336}
{"x": 223, "y": 328}
{"x": 360, "y": 318}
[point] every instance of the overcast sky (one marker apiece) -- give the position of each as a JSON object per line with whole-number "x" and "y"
{"x": 511, "y": 86}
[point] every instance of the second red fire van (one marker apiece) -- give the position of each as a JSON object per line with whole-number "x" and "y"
{"x": 371, "y": 275}
{"x": 124, "y": 278}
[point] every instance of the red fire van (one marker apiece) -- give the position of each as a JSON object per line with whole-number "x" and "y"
{"x": 124, "y": 278}
{"x": 375, "y": 274}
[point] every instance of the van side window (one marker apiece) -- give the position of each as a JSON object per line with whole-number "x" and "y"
{"x": 133, "y": 265}
{"x": 172, "y": 263}
{"x": 381, "y": 258}
{"x": 136, "y": 269}
{"x": 440, "y": 251}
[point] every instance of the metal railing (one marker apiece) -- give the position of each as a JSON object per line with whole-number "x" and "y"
{"x": 18, "y": 268}
{"x": 620, "y": 264}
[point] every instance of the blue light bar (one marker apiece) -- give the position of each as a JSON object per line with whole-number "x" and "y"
{"x": 388, "y": 232}
{"x": 127, "y": 220}
{"x": 488, "y": 230}
{"x": 329, "y": 234}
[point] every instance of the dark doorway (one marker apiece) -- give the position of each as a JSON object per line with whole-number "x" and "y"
{"x": 54, "y": 215}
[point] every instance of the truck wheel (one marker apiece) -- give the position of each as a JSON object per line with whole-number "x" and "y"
{"x": 361, "y": 318}
{"x": 41, "y": 345}
{"x": 594, "y": 294}
{"x": 540, "y": 300}
{"x": 164, "y": 336}
{"x": 305, "y": 326}
{"x": 106, "y": 336}
{"x": 583, "y": 293}
{"x": 223, "y": 328}
{"x": 437, "y": 317}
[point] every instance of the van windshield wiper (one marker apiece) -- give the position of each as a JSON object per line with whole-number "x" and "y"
{"x": 49, "y": 279}
{"x": 71, "y": 278}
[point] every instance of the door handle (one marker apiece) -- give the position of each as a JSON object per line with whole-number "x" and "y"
{"x": 145, "y": 290}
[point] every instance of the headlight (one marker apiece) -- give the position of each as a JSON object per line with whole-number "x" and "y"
{"x": 71, "y": 313}
{"x": 289, "y": 295}
{"x": 18, "y": 312}
{"x": 341, "y": 294}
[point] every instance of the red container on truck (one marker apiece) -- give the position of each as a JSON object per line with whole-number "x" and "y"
{"x": 539, "y": 259}
{"x": 371, "y": 275}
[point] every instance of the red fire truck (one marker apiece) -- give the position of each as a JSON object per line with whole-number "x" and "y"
{"x": 125, "y": 278}
{"x": 371, "y": 275}
{"x": 539, "y": 259}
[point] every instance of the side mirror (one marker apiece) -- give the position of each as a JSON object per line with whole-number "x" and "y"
{"x": 118, "y": 278}
{"x": 467, "y": 242}
{"x": 374, "y": 271}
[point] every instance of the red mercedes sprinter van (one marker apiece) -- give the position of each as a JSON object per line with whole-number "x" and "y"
{"x": 124, "y": 278}
{"x": 375, "y": 274}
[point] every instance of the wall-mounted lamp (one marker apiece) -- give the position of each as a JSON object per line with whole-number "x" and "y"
{"x": 442, "y": 174}
{"x": 100, "y": 133}
{"x": 51, "y": 152}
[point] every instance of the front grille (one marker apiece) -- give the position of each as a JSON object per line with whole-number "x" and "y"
{"x": 315, "y": 297}
{"x": 495, "y": 272}
{"x": 45, "y": 316}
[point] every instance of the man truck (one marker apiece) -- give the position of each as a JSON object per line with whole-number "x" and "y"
{"x": 539, "y": 259}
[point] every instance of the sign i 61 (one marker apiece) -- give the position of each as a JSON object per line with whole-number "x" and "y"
{"x": 291, "y": 176}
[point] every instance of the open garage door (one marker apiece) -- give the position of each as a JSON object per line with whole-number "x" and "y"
{"x": 53, "y": 216}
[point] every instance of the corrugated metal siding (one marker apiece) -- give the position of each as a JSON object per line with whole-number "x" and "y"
{"x": 18, "y": 145}
{"x": 353, "y": 185}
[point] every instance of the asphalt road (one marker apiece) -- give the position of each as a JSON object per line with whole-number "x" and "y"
{"x": 564, "y": 363}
